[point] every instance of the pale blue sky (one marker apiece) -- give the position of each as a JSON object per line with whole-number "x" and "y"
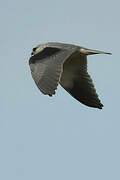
{"x": 58, "y": 138}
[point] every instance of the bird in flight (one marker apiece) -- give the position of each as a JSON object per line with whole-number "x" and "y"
{"x": 65, "y": 64}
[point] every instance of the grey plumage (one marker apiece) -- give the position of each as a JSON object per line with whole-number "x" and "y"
{"x": 54, "y": 63}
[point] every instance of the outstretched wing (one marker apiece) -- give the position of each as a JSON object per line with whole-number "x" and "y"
{"x": 46, "y": 68}
{"x": 76, "y": 80}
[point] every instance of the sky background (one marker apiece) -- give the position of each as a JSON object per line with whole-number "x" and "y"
{"x": 58, "y": 138}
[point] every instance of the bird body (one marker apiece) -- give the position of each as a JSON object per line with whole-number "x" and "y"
{"x": 53, "y": 63}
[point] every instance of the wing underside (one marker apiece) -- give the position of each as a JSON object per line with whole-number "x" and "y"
{"x": 76, "y": 80}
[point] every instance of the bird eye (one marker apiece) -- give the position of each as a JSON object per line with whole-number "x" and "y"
{"x": 34, "y": 49}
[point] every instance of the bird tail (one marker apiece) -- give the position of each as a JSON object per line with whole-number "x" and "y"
{"x": 86, "y": 51}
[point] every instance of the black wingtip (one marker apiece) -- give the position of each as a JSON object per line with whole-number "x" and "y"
{"x": 100, "y": 106}
{"x": 109, "y": 53}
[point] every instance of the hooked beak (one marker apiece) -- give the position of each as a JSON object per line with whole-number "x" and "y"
{"x": 32, "y": 53}
{"x": 85, "y": 51}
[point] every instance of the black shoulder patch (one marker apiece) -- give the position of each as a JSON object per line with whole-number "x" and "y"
{"x": 46, "y": 52}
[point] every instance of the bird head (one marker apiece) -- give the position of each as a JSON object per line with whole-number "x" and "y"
{"x": 37, "y": 49}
